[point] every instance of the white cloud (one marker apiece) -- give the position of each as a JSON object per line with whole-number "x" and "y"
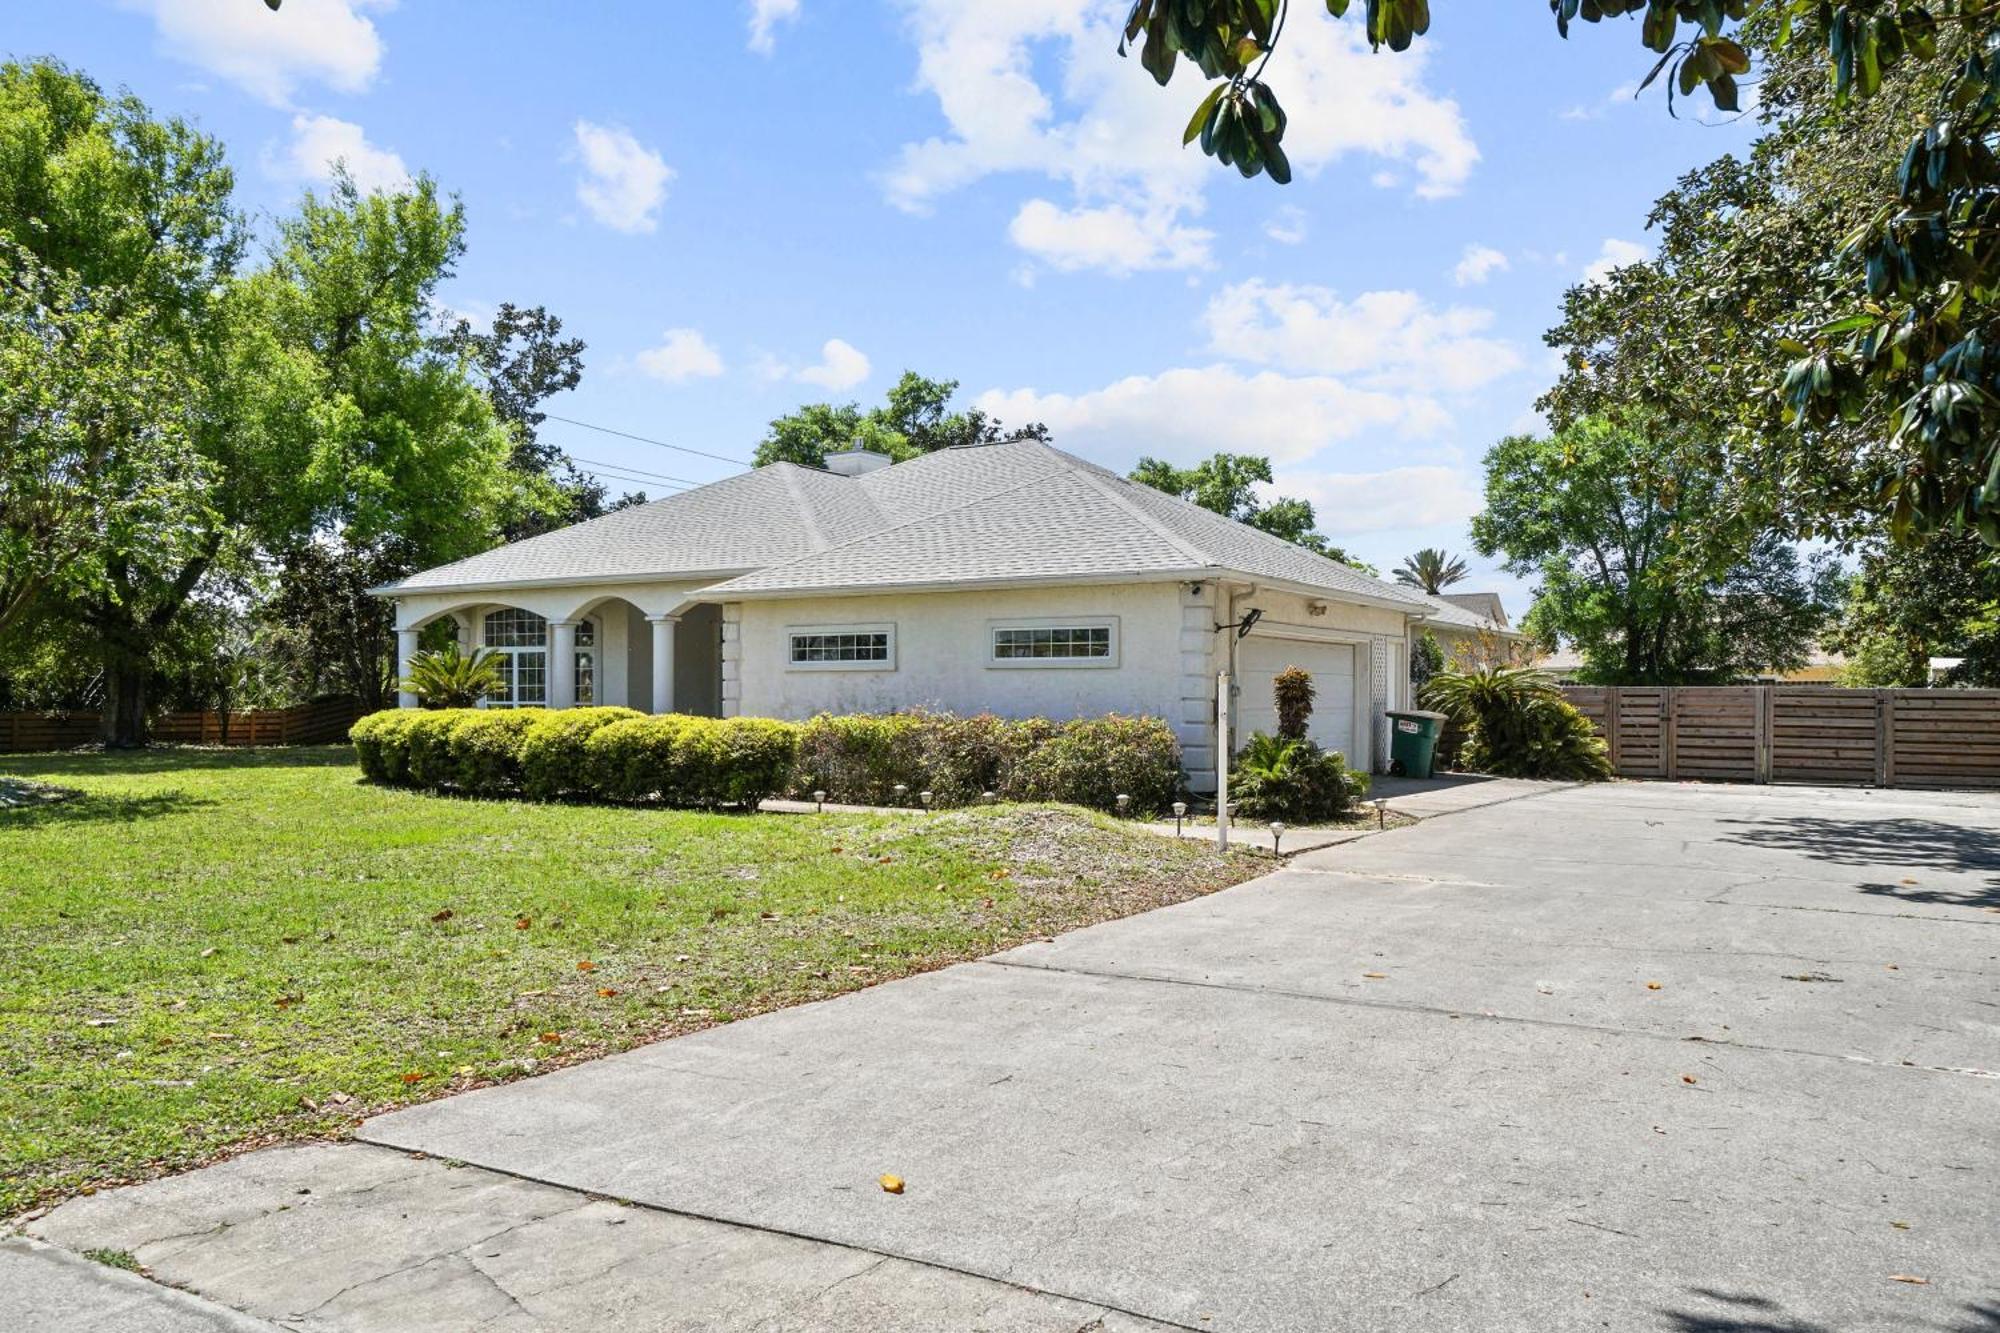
{"x": 841, "y": 366}
{"x": 1189, "y": 413}
{"x": 1287, "y": 226}
{"x": 765, "y": 16}
{"x": 1113, "y": 238}
{"x": 1383, "y": 339}
{"x": 624, "y": 182}
{"x": 683, "y": 354}
{"x": 1477, "y": 264}
{"x": 1398, "y": 497}
{"x": 1025, "y": 87}
{"x": 1615, "y": 254}
{"x": 318, "y": 142}
{"x": 269, "y": 55}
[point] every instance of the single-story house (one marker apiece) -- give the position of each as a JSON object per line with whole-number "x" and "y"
{"x": 1009, "y": 578}
{"x": 1470, "y": 626}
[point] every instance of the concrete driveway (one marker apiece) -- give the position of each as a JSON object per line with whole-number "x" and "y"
{"x": 1629, "y": 1057}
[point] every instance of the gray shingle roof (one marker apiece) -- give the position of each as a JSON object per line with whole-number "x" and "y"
{"x": 744, "y": 522}
{"x": 1444, "y": 612}
{"x": 987, "y": 514}
{"x": 1024, "y": 510}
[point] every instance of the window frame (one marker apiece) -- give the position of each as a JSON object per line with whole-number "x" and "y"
{"x": 996, "y": 662}
{"x": 511, "y": 656}
{"x": 886, "y": 628}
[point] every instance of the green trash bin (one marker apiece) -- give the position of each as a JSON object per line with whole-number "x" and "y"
{"x": 1414, "y": 741}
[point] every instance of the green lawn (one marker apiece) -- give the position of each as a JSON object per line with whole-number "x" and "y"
{"x": 201, "y": 950}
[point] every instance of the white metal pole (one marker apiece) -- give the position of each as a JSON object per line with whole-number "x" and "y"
{"x": 1222, "y": 761}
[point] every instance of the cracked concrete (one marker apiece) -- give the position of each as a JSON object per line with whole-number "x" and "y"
{"x": 357, "y": 1238}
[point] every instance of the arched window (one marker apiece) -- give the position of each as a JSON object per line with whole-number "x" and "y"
{"x": 519, "y": 642}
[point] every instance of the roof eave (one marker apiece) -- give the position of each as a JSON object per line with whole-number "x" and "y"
{"x": 722, "y": 593}
{"x": 566, "y": 581}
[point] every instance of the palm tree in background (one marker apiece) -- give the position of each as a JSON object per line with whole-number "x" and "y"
{"x": 1432, "y": 570}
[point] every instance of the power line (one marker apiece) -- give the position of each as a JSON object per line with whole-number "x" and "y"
{"x": 603, "y": 474}
{"x": 638, "y": 471}
{"x": 642, "y": 439}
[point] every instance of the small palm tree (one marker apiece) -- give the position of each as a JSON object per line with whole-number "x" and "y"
{"x": 1432, "y": 570}
{"x": 451, "y": 679}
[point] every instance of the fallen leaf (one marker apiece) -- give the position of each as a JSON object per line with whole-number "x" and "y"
{"x": 1909, "y": 881}
{"x": 894, "y": 1185}
{"x": 1910, "y": 1278}
{"x": 1900, "y": 1226}
{"x": 1892, "y": 967}
{"x": 522, "y": 923}
{"x": 288, "y": 939}
{"x": 837, "y": 850}
{"x": 287, "y": 1001}
{"x": 1376, "y": 976}
{"x": 607, "y": 991}
{"x": 442, "y": 914}
{"x": 340, "y": 1098}
{"x": 883, "y": 860}
{"x": 1687, "y": 1078}
{"x": 586, "y": 966}
{"x": 553, "y": 1037}
{"x": 1652, "y": 985}
{"x": 209, "y": 952}
{"x": 415, "y": 1076}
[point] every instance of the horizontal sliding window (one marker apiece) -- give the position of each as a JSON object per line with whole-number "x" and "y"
{"x": 1053, "y": 643}
{"x": 853, "y": 647}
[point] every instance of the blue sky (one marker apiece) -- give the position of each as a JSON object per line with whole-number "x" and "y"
{"x": 742, "y": 206}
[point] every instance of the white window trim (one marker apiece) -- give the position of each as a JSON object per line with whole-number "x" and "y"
{"x": 998, "y": 663}
{"x": 888, "y": 628}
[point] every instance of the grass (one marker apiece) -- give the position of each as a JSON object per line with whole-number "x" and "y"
{"x": 206, "y": 950}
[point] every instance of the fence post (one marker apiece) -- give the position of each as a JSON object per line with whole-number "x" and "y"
{"x": 1670, "y": 715}
{"x": 1885, "y": 738}
{"x": 1611, "y": 728}
{"x": 1764, "y": 733}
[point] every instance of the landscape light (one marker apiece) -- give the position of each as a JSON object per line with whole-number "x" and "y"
{"x": 819, "y": 802}
{"x": 1180, "y": 812}
{"x": 1277, "y": 832}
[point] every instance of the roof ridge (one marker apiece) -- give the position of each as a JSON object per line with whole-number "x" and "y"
{"x": 814, "y": 536}
{"x": 878, "y": 533}
{"x": 1103, "y": 484}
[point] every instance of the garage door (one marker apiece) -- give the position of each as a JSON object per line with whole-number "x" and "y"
{"x": 1259, "y": 658}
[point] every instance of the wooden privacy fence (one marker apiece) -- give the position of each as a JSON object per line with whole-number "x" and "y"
{"x": 317, "y": 723}
{"x": 1798, "y": 733}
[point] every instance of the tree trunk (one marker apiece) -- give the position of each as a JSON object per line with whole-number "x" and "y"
{"x": 127, "y": 676}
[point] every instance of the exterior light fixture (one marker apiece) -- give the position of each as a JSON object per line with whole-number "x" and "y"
{"x": 902, "y": 793}
{"x": 1124, "y": 803}
{"x": 819, "y": 802}
{"x": 1180, "y": 813}
{"x": 1381, "y": 814}
{"x": 926, "y": 798}
{"x": 989, "y": 797}
{"x": 1277, "y": 832}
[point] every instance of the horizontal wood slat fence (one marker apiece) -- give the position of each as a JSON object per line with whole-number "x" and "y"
{"x": 320, "y": 722}
{"x": 1798, "y": 733}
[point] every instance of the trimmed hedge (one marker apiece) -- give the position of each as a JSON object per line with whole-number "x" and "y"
{"x": 612, "y": 753}
{"x": 621, "y": 755}
{"x": 1090, "y": 762}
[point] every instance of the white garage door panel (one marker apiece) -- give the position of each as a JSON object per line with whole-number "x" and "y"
{"x": 1259, "y": 659}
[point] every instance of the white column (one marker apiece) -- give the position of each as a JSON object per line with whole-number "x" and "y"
{"x": 406, "y": 648}
{"x": 663, "y": 661}
{"x": 562, "y": 665}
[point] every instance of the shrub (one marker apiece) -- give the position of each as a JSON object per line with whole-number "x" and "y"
{"x": 1518, "y": 724}
{"x": 382, "y": 744}
{"x": 485, "y": 749}
{"x": 429, "y": 738}
{"x": 1426, "y": 660}
{"x": 692, "y": 761}
{"x": 1292, "y": 693}
{"x": 1276, "y": 777}
{"x": 859, "y": 757}
{"x": 753, "y": 758}
{"x": 1093, "y": 760}
{"x": 632, "y": 760}
{"x": 552, "y": 751}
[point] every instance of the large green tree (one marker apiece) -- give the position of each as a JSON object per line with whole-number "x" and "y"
{"x": 1225, "y": 483}
{"x": 1641, "y": 561}
{"x": 914, "y": 419}
{"x": 1907, "y": 605}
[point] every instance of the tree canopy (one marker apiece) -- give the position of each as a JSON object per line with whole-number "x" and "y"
{"x": 1640, "y": 562}
{"x": 1225, "y": 483}
{"x": 914, "y": 419}
{"x": 1432, "y": 570}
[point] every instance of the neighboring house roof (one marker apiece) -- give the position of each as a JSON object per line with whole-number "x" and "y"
{"x": 1486, "y": 604}
{"x": 1450, "y": 611}
{"x": 977, "y": 515}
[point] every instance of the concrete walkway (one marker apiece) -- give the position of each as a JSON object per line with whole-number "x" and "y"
{"x": 1637, "y": 1056}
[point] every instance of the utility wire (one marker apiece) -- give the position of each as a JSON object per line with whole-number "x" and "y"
{"x": 637, "y": 471}
{"x": 602, "y": 474}
{"x": 643, "y": 439}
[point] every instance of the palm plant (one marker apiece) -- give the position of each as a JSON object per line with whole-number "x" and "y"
{"x": 1432, "y": 570}
{"x": 1518, "y": 724}
{"x": 452, "y": 679}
